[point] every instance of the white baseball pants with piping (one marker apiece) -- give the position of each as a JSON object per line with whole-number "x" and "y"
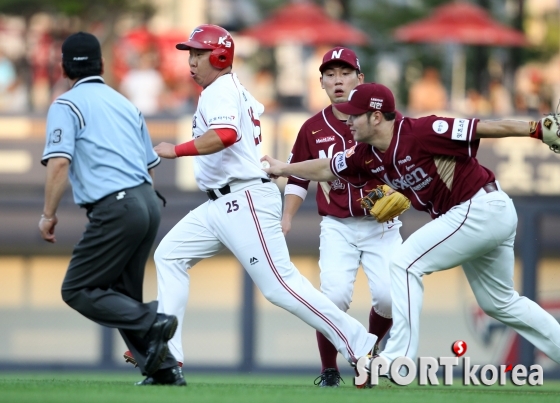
{"x": 247, "y": 222}
{"x": 347, "y": 242}
{"x": 477, "y": 234}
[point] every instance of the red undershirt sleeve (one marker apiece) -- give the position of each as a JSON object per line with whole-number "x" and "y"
{"x": 228, "y": 136}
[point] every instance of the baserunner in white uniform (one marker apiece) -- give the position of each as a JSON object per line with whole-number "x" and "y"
{"x": 245, "y": 207}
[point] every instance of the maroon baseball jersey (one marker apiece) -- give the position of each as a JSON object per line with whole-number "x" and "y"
{"x": 431, "y": 160}
{"x": 322, "y": 136}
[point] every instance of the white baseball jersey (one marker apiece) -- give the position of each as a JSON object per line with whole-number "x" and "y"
{"x": 246, "y": 220}
{"x": 226, "y": 104}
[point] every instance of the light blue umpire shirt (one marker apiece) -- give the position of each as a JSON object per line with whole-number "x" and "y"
{"x": 105, "y": 138}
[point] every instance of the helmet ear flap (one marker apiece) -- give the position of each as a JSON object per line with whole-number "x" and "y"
{"x": 220, "y": 58}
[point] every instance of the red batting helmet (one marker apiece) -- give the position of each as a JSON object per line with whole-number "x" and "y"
{"x": 214, "y": 38}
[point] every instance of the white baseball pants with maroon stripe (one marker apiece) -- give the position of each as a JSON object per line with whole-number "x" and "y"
{"x": 347, "y": 242}
{"x": 477, "y": 234}
{"x": 247, "y": 222}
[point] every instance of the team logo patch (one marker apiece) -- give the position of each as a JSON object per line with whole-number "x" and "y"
{"x": 193, "y": 33}
{"x": 547, "y": 123}
{"x": 324, "y": 139}
{"x": 222, "y": 40}
{"x": 222, "y": 118}
{"x": 350, "y": 151}
{"x": 337, "y": 185}
{"x": 440, "y": 126}
{"x": 460, "y": 129}
{"x": 376, "y": 103}
{"x": 340, "y": 162}
{"x": 336, "y": 54}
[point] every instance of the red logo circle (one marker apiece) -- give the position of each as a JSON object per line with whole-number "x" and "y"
{"x": 459, "y": 348}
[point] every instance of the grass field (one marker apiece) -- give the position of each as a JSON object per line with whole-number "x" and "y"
{"x": 118, "y": 388}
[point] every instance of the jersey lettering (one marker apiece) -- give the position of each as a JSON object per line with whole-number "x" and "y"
{"x": 340, "y": 162}
{"x": 415, "y": 180}
{"x": 460, "y": 129}
{"x": 257, "y": 128}
{"x": 322, "y": 153}
{"x": 56, "y": 136}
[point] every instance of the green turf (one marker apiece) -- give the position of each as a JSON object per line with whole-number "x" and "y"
{"x": 118, "y": 388}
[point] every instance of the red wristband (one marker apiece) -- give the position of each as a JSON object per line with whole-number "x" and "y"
{"x": 535, "y": 130}
{"x": 186, "y": 149}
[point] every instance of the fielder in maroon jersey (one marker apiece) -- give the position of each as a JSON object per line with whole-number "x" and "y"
{"x": 432, "y": 160}
{"x": 349, "y": 235}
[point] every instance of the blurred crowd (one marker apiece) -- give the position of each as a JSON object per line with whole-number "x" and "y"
{"x": 148, "y": 70}
{"x": 536, "y": 91}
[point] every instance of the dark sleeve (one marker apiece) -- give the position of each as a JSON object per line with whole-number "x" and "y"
{"x": 350, "y": 165}
{"x": 446, "y": 136}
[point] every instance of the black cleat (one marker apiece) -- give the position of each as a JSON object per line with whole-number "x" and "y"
{"x": 161, "y": 331}
{"x": 169, "y": 376}
{"x": 330, "y": 377}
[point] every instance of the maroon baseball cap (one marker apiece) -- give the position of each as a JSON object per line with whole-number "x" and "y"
{"x": 340, "y": 55}
{"x": 368, "y": 97}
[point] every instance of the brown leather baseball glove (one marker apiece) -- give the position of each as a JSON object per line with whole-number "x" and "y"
{"x": 551, "y": 132}
{"x": 382, "y": 206}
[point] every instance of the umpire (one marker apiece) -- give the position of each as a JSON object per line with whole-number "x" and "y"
{"x": 98, "y": 139}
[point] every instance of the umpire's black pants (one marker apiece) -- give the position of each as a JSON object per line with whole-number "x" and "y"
{"x": 106, "y": 274}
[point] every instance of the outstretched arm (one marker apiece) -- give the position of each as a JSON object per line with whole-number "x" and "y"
{"x": 504, "y": 128}
{"x": 547, "y": 130}
{"x": 316, "y": 170}
{"x": 209, "y": 143}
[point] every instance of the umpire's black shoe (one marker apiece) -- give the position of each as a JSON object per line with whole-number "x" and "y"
{"x": 169, "y": 376}
{"x": 161, "y": 331}
{"x": 330, "y": 377}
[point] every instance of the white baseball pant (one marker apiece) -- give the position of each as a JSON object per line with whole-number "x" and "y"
{"x": 477, "y": 234}
{"x": 345, "y": 242}
{"x": 247, "y": 222}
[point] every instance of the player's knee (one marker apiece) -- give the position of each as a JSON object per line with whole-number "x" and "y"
{"x": 341, "y": 300}
{"x": 382, "y": 304}
{"x": 497, "y": 307}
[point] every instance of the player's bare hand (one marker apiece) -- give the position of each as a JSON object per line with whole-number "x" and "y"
{"x": 46, "y": 228}
{"x": 275, "y": 168}
{"x": 165, "y": 150}
{"x": 286, "y": 224}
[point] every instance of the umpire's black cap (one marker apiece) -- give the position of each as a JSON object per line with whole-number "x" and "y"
{"x": 81, "y": 47}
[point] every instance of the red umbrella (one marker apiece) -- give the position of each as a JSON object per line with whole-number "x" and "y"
{"x": 460, "y": 23}
{"x": 306, "y": 23}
